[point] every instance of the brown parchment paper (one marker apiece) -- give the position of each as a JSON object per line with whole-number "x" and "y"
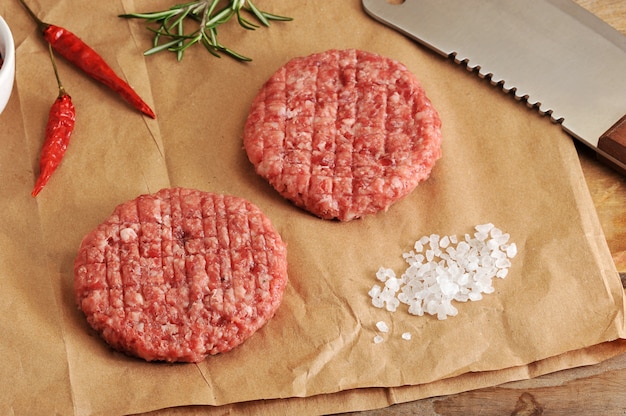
{"x": 561, "y": 305}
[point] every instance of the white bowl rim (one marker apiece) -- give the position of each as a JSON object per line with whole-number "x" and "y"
{"x": 7, "y": 71}
{"x": 7, "y": 48}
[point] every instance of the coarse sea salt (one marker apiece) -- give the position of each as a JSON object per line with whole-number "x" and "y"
{"x": 446, "y": 269}
{"x": 382, "y": 326}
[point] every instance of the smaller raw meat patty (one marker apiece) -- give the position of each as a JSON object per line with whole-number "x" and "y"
{"x": 180, "y": 274}
{"x": 343, "y": 133}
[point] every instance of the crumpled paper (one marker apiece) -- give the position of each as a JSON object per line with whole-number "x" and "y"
{"x": 560, "y": 306}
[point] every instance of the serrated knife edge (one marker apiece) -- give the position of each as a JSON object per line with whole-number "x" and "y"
{"x": 500, "y": 47}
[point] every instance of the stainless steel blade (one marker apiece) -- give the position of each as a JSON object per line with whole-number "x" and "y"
{"x": 553, "y": 53}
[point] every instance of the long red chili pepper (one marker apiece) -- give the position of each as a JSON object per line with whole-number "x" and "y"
{"x": 72, "y": 48}
{"x": 58, "y": 132}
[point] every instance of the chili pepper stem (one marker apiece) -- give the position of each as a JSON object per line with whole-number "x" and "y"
{"x": 56, "y": 72}
{"x": 40, "y": 24}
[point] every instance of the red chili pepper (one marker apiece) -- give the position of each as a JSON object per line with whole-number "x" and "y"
{"x": 72, "y": 48}
{"x": 58, "y": 132}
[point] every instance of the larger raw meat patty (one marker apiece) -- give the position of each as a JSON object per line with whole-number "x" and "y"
{"x": 343, "y": 133}
{"x": 180, "y": 274}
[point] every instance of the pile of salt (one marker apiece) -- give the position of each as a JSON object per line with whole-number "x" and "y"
{"x": 445, "y": 269}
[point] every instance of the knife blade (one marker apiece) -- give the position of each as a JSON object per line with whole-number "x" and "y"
{"x": 552, "y": 54}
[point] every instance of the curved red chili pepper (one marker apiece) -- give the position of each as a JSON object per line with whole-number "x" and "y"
{"x": 58, "y": 132}
{"x": 72, "y": 48}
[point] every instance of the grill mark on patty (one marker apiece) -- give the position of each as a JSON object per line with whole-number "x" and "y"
{"x": 320, "y": 191}
{"x": 346, "y": 113}
{"x": 187, "y": 279}
{"x": 354, "y": 133}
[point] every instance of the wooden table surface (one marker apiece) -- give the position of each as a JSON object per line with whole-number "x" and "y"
{"x": 592, "y": 390}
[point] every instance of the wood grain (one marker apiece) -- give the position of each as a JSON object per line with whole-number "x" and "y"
{"x": 613, "y": 143}
{"x": 608, "y": 188}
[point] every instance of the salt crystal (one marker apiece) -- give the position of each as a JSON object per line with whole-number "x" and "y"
{"x": 374, "y": 291}
{"x": 378, "y": 339}
{"x": 496, "y": 232}
{"x": 484, "y": 228}
{"x": 432, "y": 307}
{"x": 441, "y": 312}
{"x": 497, "y": 254}
{"x": 392, "y": 304}
{"x": 382, "y": 326}
{"x": 473, "y": 264}
{"x": 393, "y": 284}
{"x": 406, "y": 336}
{"x": 503, "y": 263}
{"x": 383, "y": 274}
{"x": 492, "y": 244}
{"x": 378, "y": 302}
{"x": 486, "y": 261}
{"x": 415, "y": 308}
{"x": 461, "y": 297}
{"x": 502, "y": 239}
{"x": 463, "y": 279}
{"x": 475, "y": 296}
{"x": 448, "y": 288}
{"x": 511, "y": 250}
{"x": 450, "y": 309}
{"x": 462, "y": 248}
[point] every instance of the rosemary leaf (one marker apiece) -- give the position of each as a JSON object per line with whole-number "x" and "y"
{"x": 220, "y": 18}
{"x": 161, "y": 47}
{"x": 155, "y": 16}
{"x": 170, "y": 35}
{"x": 270, "y": 16}
{"x": 236, "y": 55}
{"x": 181, "y": 44}
{"x": 258, "y": 14}
{"x": 246, "y": 24}
{"x": 209, "y": 45}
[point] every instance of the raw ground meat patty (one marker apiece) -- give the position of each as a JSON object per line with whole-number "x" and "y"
{"x": 180, "y": 274}
{"x": 343, "y": 133}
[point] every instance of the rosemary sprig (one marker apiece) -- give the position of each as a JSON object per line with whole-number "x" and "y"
{"x": 169, "y": 25}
